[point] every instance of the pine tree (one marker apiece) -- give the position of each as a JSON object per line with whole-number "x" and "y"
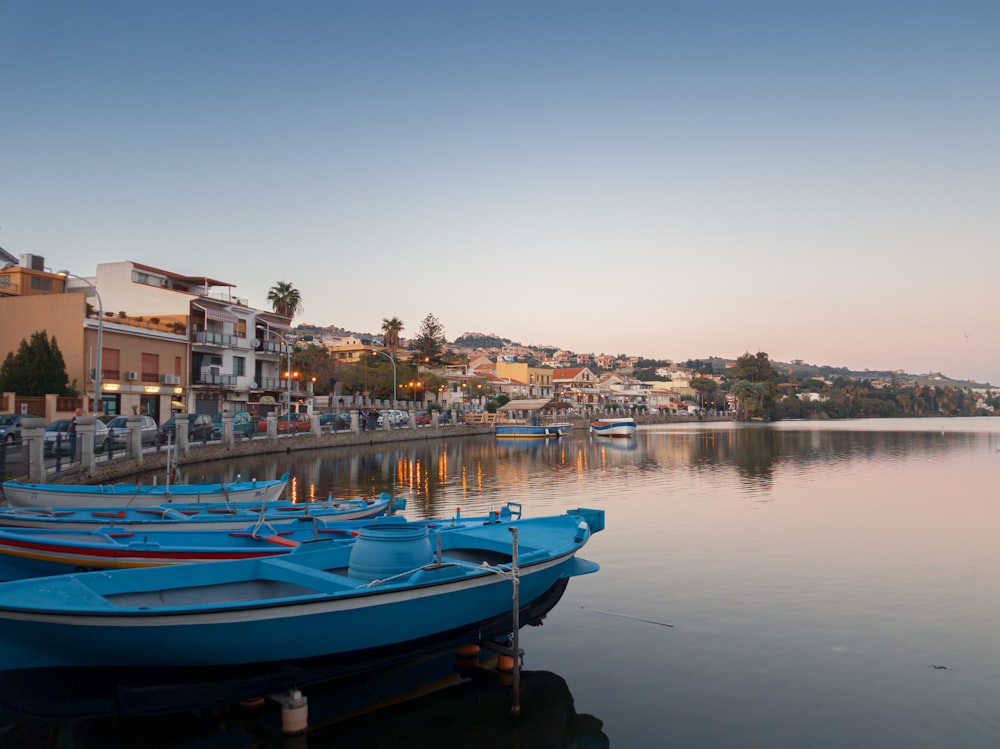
{"x": 38, "y": 368}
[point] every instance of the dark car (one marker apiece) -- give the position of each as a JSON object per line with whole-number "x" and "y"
{"x": 148, "y": 430}
{"x": 243, "y": 425}
{"x": 10, "y": 427}
{"x": 335, "y": 422}
{"x": 199, "y": 428}
{"x": 58, "y": 440}
{"x": 444, "y": 417}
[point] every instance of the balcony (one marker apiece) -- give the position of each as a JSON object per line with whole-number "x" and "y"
{"x": 222, "y": 340}
{"x": 209, "y": 377}
{"x": 273, "y": 347}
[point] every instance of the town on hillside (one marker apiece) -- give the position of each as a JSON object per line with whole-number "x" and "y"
{"x": 137, "y": 339}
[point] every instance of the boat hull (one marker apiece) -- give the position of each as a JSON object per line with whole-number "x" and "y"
{"x": 206, "y": 516}
{"x": 613, "y": 427}
{"x": 525, "y": 431}
{"x": 135, "y": 495}
{"x": 276, "y": 610}
{"x": 71, "y": 693}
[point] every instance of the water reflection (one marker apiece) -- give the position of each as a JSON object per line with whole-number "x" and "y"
{"x": 477, "y": 473}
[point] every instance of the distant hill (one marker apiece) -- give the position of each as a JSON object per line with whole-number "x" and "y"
{"x": 798, "y": 368}
{"x": 481, "y": 340}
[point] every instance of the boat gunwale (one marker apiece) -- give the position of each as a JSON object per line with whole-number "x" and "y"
{"x": 403, "y": 590}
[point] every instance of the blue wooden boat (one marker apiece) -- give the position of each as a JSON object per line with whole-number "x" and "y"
{"x": 20, "y": 494}
{"x": 338, "y": 686}
{"x": 396, "y": 584}
{"x": 36, "y": 552}
{"x": 202, "y": 515}
{"x": 525, "y": 431}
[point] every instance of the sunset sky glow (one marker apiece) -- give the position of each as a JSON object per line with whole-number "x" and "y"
{"x": 816, "y": 180}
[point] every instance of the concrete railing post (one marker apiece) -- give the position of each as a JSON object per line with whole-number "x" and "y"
{"x": 183, "y": 444}
{"x": 33, "y": 436}
{"x": 134, "y": 442}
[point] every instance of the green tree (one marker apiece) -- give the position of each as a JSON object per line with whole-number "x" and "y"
{"x": 285, "y": 299}
{"x": 391, "y": 328}
{"x": 38, "y": 368}
{"x": 430, "y": 342}
{"x": 755, "y": 370}
{"x": 706, "y": 388}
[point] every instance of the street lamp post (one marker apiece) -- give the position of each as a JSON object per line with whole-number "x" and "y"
{"x": 389, "y": 357}
{"x": 96, "y": 405}
{"x": 414, "y": 386}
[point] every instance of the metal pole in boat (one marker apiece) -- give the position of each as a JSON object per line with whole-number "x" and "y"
{"x": 515, "y": 709}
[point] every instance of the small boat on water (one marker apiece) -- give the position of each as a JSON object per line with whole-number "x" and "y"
{"x": 394, "y": 586}
{"x": 613, "y": 427}
{"x": 36, "y": 552}
{"x": 203, "y": 515}
{"x": 135, "y": 495}
{"x": 530, "y": 419}
{"x": 525, "y": 431}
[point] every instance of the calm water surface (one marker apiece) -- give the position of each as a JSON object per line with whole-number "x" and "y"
{"x": 801, "y": 584}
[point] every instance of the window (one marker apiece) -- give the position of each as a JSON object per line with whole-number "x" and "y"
{"x": 150, "y": 368}
{"x": 239, "y": 365}
{"x": 111, "y": 364}
{"x": 41, "y": 284}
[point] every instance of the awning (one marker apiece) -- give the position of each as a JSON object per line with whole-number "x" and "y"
{"x": 177, "y": 404}
{"x": 220, "y": 314}
{"x": 216, "y": 313}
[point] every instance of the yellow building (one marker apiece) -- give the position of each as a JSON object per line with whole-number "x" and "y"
{"x": 536, "y": 381}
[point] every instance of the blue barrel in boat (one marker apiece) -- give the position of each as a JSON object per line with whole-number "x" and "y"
{"x": 382, "y": 551}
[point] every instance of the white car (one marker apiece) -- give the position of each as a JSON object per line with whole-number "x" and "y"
{"x": 396, "y": 417}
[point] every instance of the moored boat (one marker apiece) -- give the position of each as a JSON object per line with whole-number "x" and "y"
{"x": 525, "y": 431}
{"x": 613, "y": 427}
{"x": 395, "y": 585}
{"x": 204, "y": 515}
{"x": 20, "y": 494}
{"x": 562, "y": 427}
{"x": 36, "y": 552}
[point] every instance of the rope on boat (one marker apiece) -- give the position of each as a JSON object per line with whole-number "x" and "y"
{"x": 501, "y": 570}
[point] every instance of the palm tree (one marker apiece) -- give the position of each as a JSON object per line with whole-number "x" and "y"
{"x": 285, "y": 299}
{"x": 392, "y": 328}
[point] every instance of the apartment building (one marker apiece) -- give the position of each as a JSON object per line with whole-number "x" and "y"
{"x": 167, "y": 341}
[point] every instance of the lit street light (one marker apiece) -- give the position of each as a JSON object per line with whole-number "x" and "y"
{"x": 96, "y": 404}
{"x": 414, "y": 386}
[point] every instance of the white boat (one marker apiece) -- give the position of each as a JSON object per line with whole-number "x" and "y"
{"x": 613, "y": 427}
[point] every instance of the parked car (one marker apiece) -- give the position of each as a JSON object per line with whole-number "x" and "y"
{"x": 299, "y": 423}
{"x": 243, "y": 425}
{"x": 422, "y": 418}
{"x": 10, "y": 427}
{"x": 335, "y": 422}
{"x": 199, "y": 428}
{"x": 444, "y": 417}
{"x": 148, "y": 430}
{"x": 58, "y": 440}
{"x": 396, "y": 417}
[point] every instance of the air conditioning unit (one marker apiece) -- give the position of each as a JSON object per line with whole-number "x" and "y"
{"x": 130, "y": 375}
{"x": 215, "y": 369}
{"x": 171, "y": 379}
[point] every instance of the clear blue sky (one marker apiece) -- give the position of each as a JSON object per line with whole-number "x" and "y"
{"x": 818, "y": 180}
